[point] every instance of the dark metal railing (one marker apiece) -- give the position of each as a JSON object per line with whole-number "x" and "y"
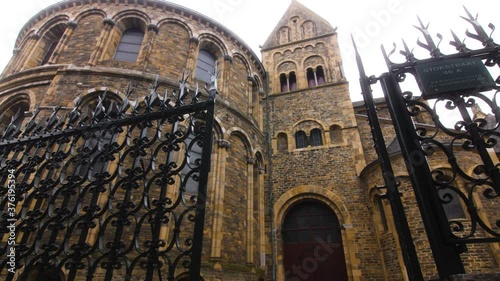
{"x": 471, "y": 140}
{"x": 109, "y": 192}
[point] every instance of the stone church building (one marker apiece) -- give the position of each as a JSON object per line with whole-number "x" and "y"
{"x": 292, "y": 189}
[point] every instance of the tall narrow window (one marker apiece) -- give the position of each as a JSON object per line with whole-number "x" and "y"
{"x": 311, "y": 79}
{"x": 316, "y": 139}
{"x": 293, "y": 81}
{"x": 283, "y": 83}
{"x": 300, "y": 139}
{"x": 49, "y": 43}
{"x": 130, "y": 45}
{"x": 205, "y": 65}
{"x": 193, "y": 159}
{"x": 320, "y": 75}
{"x": 383, "y": 217}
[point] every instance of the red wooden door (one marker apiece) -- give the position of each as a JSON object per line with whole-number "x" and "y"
{"x": 313, "y": 244}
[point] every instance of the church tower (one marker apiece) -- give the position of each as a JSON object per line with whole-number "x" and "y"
{"x": 317, "y": 155}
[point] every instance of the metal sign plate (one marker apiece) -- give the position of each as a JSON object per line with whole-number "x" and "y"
{"x": 453, "y": 75}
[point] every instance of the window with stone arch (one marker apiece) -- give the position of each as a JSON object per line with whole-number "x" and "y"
{"x": 206, "y": 65}
{"x": 300, "y": 139}
{"x": 126, "y": 40}
{"x": 282, "y": 142}
{"x": 315, "y": 73}
{"x": 316, "y": 138}
{"x": 288, "y": 82}
{"x": 49, "y": 43}
{"x": 93, "y": 106}
{"x": 130, "y": 45}
{"x": 336, "y": 134}
{"x": 15, "y": 107}
{"x": 288, "y": 76}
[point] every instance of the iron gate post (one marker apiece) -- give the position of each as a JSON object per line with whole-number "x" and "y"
{"x": 400, "y": 221}
{"x": 446, "y": 256}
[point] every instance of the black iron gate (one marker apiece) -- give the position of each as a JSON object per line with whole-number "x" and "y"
{"x": 457, "y": 82}
{"x": 115, "y": 191}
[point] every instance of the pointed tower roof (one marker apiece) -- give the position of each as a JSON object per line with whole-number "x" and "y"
{"x": 298, "y": 23}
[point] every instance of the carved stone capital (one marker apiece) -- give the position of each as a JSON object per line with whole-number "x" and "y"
{"x": 153, "y": 27}
{"x": 251, "y": 161}
{"x": 194, "y": 40}
{"x": 71, "y": 24}
{"x": 250, "y": 78}
{"x": 223, "y": 143}
{"x": 228, "y": 58}
{"x": 35, "y": 36}
{"x": 108, "y": 21}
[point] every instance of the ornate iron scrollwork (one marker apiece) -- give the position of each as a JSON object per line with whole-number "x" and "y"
{"x": 113, "y": 191}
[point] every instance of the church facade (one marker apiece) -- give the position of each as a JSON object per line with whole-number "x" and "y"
{"x": 292, "y": 189}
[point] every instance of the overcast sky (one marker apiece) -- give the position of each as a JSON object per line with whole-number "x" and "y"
{"x": 372, "y": 23}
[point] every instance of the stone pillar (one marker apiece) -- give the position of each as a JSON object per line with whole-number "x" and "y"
{"x": 226, "y": 69}
{"x": 192, "y": 56}
{"x": 250, "y": 232}
{"x": 70, "y": 27}
{"x": 147, "y": 45}
{"x": 250, "y": 101}
{"x": 27, "y": 53}
{"x": 262, "y": 225}
{"x": 215, "y": 251}
{"x": 102, "y": 42}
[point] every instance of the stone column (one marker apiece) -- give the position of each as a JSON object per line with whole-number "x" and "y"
{"x": 226, "y": 69}
{"x": 192, "y": 56}
{"x": 147, "y": 45}
{"x": 27, "y": 53}
{"x": 70, "y": 27}
{"x": 262, "y": 226}
{"x": 102, "y": 42}
{"x": 215, "y": 251}
{"x": 250, "y": 101}
{"x": 250, "y": 232}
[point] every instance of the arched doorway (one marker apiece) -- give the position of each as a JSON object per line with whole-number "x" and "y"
{"x": 312, "y": 244}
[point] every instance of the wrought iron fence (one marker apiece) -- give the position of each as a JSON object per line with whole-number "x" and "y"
{"x": 456, "y": 81}
{"x": 111, "y": 191}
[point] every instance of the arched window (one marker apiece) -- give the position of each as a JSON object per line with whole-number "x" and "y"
{"x": 316, "y": 139}
{"x": 283, "y": 83}
{"x": 50, "y": 41}
{"x": 311, "y": 231}
{"x": 380, "y": 206}
{"x": 335, "y": 134}
{"x": 97, "y": 141}
{"x": 293, "y": 81}
{"x": 17, "y": 108}
{"x": 282, "y": 142}
{"x": 300, "y": 139}
{"x": 320, "y": 75}
{"x": 193, "y": 152}
{"x": 130, "y": 45}
{"x": 311, "y": 79}
{"x": 205, "y": 65}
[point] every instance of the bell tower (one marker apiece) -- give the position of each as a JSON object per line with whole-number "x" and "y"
{"x": 316, "y": 147}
